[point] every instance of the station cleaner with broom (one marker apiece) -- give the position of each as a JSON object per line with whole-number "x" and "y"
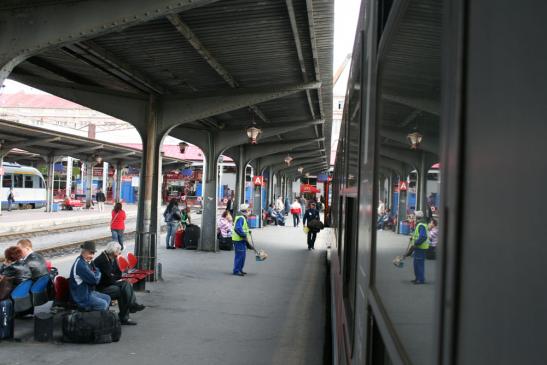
{"x": 240, "y": 239}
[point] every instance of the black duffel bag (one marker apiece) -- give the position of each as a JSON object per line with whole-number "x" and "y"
{"x": 315, "y": 225}
{"x": 91, "y": 327}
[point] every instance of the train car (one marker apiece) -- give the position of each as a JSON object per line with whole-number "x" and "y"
{"x": 449, "y": 96}
{"x": 28, "y": 186}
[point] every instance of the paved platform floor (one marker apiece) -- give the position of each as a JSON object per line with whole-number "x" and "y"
{"x": 201, "y": 314}
{"x": 410, "y": 307}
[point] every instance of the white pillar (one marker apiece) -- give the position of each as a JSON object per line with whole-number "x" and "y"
{"x": 105, "y": 176}
{"x": 68, "y": 190}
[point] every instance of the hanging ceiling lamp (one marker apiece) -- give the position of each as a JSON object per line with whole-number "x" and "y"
{"x": 300, "y": 169}
{"x": 414, "y": 138}
{"x": 253, "y": 133}
{"x": 288, "y": 160}
{"x": 183, "y": 146}
{"x": 97, "y": 158}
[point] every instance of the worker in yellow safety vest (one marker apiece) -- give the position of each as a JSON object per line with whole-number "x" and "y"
{"x": 240, "y": 235}
{"x": 420, "y": 240}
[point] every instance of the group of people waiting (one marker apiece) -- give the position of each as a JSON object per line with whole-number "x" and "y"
{"x": 93, "y": 283}
{"x": 176, "y": 218}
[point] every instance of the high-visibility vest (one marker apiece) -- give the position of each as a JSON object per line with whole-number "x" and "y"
{"x": 424, "y": 245}
{"x": 235, "y": 236}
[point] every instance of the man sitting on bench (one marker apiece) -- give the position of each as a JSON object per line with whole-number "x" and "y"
{"x": 35, "y": 261}
{"x": 83, "y": 278}
{"x": 111, "y": 284}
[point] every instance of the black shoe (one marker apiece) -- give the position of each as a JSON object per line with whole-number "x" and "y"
{"x": 128, "y": 322}
{"x": 244, "y": 273}
{"x": 309, "y": 248}
{"x": 136, "y": 308}
{"x": 239, "y": 274}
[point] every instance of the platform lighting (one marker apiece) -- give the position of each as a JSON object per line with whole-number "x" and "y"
{"x": 253, "y": 133}
{"x": 307, "y": 174}
{"x": 183, "y": 146}
{"x": 414, "y": 138}
{"x": 98, "y": 159}
{"x": 288, "y": 160}
{"x": 300, "y": 169}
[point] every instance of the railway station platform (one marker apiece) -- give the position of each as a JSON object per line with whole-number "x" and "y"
{"x": 202, "y": 314}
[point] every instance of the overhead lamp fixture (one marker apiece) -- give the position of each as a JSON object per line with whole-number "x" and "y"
{"x": 183, "y": 146}
{"x": 97, "y": 158}
{"x": 288, "y": 160}
{"x": 414, "y": 138}
{"x": 300, "y": 169}
{"x": 253, "y": 133}
{"x": 307, "y": 174}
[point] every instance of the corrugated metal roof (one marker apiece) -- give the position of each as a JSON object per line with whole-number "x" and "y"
{"x": 252, "y": 40}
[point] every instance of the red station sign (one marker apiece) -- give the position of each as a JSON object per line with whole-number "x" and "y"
{"x": 402, "y": 186}
{"x": 258, "y": 180}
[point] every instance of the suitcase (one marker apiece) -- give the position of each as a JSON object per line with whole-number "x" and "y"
{"x": 191, "y": 237}
{"x": 6, "y": 319}
{"x": 91, "y": 327}
{"x": 179, "y": 239}
{"x": 225, "y": 243}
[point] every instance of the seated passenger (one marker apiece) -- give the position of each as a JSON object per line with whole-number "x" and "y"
{"x": 83, "y": 279}
{"x": 111, "y": 284}
{"x": 14, "y": 267}
{"x": 36, "y": 262}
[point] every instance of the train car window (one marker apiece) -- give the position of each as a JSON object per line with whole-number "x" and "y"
{"x": 407, "y": 192}
{"x": 18, "y": 181}
{"x": 28, "y": 182}
{"x": 350, "y": 259}
{"x": 7, "y": 181}
{"x": 41, "y": 183}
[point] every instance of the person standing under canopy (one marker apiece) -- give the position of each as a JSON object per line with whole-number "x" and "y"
{"x": 240, "y": 235}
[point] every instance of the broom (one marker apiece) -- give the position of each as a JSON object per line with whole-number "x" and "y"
{"x": 398, "y": 261}
{"x": 260, "y": 255}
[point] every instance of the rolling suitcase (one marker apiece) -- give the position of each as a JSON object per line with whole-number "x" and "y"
{"x": 179, "y": 238}
{"x": 191, "y": 237}
{"x": 6, "y": 319}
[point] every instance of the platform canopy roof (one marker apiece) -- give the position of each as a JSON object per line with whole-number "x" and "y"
{"x": 24, "y": 143}
{"x": 114, "y": 56}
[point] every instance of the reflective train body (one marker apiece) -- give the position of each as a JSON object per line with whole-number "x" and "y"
{"x": 445, "y": 117}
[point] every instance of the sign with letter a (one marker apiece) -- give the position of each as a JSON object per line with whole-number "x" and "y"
{"x": 257, "y": 180}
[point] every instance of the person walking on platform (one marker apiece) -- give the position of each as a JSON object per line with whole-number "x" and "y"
{"x": 172, "y": 217}
{"x": 111, "y": 285}
{"x": 101, "y": 198}
{"x": 83, "y": 279}
{"x": 303, "y": 204}
{"x": 296, "y": 211}
{"x": 311, "y": 217}
{"x": 11, "y": 199}
{"x": 36, "y": 262}
{"x": 239, "y": 238}
{"x": 117, "y": 224}
{"x": 420, "y": 241}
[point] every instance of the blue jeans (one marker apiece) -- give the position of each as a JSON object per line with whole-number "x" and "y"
{"x": 419, "y": 265}
{"x": 117, "y": 235}
{"x": 171, "y": 231}
{"x": 240, "y": 249}
{"x": 98, "y": 301}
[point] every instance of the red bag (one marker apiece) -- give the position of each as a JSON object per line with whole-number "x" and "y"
{"x": 179, "y": 239}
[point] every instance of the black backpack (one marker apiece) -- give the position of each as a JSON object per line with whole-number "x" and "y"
{"x": 91, "y": 327}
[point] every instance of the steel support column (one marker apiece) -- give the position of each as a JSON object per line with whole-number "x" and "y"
{"x": 147, "y": 222}
{"x": 421, "y": 198}
{"x": 88, "y": 183}
{"x": 270, "y": 186}
{"x": 1, "y": 181}
{"x": 208, "y": 240}
{"x": 50, "y": 161}
{"x": 240, "y": 180}
{"x": 117, "y": 193}
{"x": 68, "y": 190}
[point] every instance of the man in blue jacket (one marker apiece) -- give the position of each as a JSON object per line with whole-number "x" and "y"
{"x": 239, "y": 239}
{"x": 83, "y": 279}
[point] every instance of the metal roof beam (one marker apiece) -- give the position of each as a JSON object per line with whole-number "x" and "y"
{"x": 57, "y": 70}
{"x": 194, "y": 41}
{"x": 429, "y": 106}
{"x": 230, "y": 138}
{"x": 25, "y": 33}
{"x": 179, "y": 109}
{"x": 315, "y": 54}
{"x": 298, "y": 44}
{"x": 28, "y": 142}
{"x": 118, "y": 65}
{"x": 118, "y": 155}
{"x": 83, "y": 149}
{"x": 253, "y": 152}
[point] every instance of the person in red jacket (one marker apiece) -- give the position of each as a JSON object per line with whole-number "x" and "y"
{"x": 117, "y": 224}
